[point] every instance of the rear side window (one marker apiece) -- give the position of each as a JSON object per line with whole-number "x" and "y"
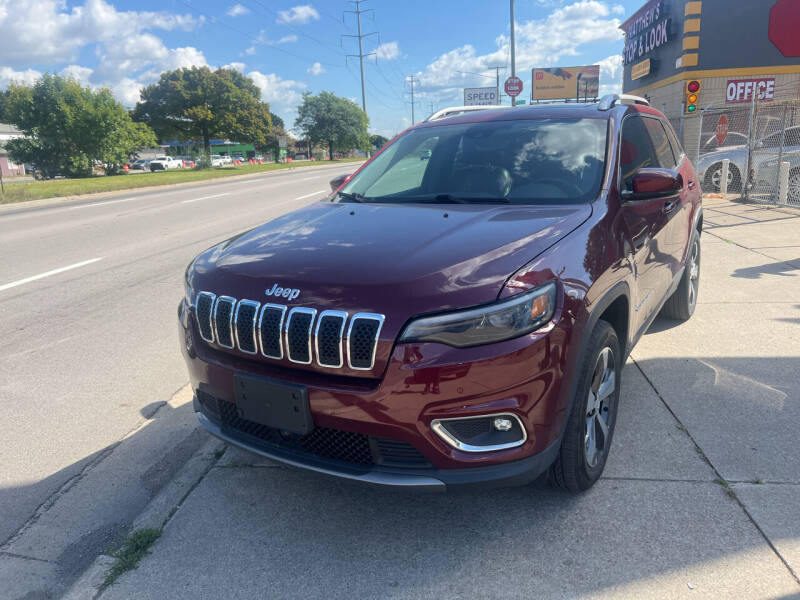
{"x": 636, "y": 150}
{"x": 658, "y": 136}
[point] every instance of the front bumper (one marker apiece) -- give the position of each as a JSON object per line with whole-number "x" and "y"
{"x": 421, "y": 383}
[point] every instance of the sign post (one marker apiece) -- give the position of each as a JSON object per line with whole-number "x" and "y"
{"x": 513, "y": 88}
{"x": 722, "y": 130}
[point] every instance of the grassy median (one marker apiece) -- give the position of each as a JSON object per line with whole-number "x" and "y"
{"x": 20, "y": 191}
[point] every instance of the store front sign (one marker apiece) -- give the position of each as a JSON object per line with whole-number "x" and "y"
{"x": 743, "y": 90}
{"x": 645, "y": 31}
{"x": 640, "y": 69}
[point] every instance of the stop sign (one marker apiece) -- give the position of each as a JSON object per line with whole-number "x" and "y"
{"x": 513, "y": 86}
{"x": 722, "y": 129}
{"x": 784, "y": 18}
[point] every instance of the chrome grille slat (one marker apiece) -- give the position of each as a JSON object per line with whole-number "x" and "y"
{"x": 362, "y": 340}
{"x": 244, "y": 325}
{"x": 203, "y": 312}
{"x": 270, "y": 327}
{"x": 298, "y": 333}
{"x": 328, "y": 338}
{"x": 223, "y": 321}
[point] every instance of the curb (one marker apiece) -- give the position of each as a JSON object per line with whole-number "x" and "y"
{"x": 156, "y": 515}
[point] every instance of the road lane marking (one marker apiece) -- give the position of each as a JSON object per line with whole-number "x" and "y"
{"x": 310, "y": 178}
{"x": 311, "y": 194}
{"x": 48, "y": 273}
{"x": 102, "y": 203}
{"x": 206, "y": 197}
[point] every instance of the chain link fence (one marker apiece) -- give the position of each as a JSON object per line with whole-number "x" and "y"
{"x": 760, "y": 139}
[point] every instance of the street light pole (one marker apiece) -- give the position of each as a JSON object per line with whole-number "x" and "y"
{"x": 513, "y": 53}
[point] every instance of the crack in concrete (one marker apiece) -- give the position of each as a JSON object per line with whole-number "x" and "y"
{"x": 24, "y": 557}
{"x": 703, "y": 455}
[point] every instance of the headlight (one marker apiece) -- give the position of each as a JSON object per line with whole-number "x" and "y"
{"x": 493, "y": 323}
{"x": 188, "y": 292}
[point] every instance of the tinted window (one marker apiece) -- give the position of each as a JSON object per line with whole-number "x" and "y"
{"x": 521, "y": 161}
{"x": 636, "y": 150}
{"x": 658, "y": 136}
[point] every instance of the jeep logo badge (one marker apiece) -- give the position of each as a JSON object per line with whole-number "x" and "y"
{"x": 290, "y": 293}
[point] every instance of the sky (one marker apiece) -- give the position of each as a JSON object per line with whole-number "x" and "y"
{"x": 292, "y": 46}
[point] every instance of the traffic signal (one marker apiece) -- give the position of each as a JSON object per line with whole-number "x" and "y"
{"x": 692, "y": 95}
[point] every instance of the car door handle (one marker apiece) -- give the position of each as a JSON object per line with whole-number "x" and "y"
{"x": 669, "y": 206}
{"x": 690, "y": 185}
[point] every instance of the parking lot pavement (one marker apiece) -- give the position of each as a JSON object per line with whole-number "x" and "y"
{"x": 709, "y": 408}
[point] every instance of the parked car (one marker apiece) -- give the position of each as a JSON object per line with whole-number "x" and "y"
{"x": 141, "y": 164}
{"x": 187, "y": 162}
{"x": 216, "y": 160}
{"x": 458, "y": 320}
{"x": 766, "y": 156}
{"x": 164, "y": 163}
{"x": 765, "y": 150}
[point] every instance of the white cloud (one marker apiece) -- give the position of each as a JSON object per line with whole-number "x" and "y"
{"x": 250, "y": 51}
{"x": 263, "y": 38}
{"x": 610, "y": 75}
{"x": 316, "y": 69}
{"x": 9, "y": 75}
{"x": 283, "y": 95}
{"x": 46, "y": 32}
{"x": 78, "y": 72}
{"x": 236, "y": 66}
{"x": 298, "y": 14}
{"x": 237, "y": 10}
{"x": 388, "y": 51}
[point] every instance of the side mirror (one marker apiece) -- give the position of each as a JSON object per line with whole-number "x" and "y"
{"x": 650, "y": 183}
{"x": 339, "y": 181}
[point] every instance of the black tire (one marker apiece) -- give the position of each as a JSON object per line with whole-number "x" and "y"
{"x": 734, "y": 185}
{"x": 573, "y": 470}
{"x": 683, "y": 301}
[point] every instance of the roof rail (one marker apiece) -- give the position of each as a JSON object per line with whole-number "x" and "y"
{"x": 609, "y": 101}
{"x": 453, "y": 111}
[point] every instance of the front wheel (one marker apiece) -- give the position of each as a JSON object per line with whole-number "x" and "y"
{"x": 682, "y": 303}
{"x": 590, "y": 428}
{"x": 713, "y": 180}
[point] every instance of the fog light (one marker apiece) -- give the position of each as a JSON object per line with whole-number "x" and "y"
{"x": 502, "y": 424}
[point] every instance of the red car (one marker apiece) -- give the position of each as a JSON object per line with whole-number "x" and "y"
{"x": 462, "y": 319}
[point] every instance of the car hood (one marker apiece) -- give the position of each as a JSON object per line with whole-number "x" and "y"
{"x": 397, "y": 260}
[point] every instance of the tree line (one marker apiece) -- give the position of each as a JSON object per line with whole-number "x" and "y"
{"x": 68, "y": 128}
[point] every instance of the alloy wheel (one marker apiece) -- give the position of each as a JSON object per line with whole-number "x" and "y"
{"x": 693, "y": 266}
{"x": 716, "y": 179}
{"x": 598, "y": 407}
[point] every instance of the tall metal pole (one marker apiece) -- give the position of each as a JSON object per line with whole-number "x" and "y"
{"x": 361, "y": 59}
{"x": 513, "y": 52}
{"x": 358, "y": 12}
{"x": 411, "y": 79}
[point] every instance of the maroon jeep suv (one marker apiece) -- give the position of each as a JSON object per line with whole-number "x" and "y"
{"x": 460, "y": 310}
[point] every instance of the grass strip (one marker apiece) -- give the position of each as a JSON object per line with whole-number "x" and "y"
{"x": 135, "y": 547}
{"x": 21, "y": 191}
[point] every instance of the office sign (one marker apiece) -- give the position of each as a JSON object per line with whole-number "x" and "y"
{"x": 641, "y": 69}
{"x": 743, "y": 90}
{"x": 482, "y": 96}
{"x": 557, "y": 83}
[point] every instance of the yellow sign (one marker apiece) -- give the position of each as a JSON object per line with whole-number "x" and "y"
{"x": 640, "y": 69}
{"x": 556, "y": 83}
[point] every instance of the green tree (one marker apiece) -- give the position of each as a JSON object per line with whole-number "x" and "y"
{"x": 199, "y": 103}
{"x": 336, "y": 122}
{"x": 378, "y": 141}
{"x": 68, "y": 127}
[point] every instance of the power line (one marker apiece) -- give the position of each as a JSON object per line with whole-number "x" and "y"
{"x": 358, "y": 12}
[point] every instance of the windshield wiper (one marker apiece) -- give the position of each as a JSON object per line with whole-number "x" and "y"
{"x": 351, "y": 196}
{"x": 451, "y": 199}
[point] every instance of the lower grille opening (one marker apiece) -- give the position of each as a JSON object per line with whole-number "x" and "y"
{"x": 353, "y": 449}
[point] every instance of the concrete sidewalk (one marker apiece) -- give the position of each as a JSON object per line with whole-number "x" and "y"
{"x": 700, "y": 498}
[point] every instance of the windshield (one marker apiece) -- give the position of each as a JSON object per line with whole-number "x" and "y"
{"x": 543, "y": 161}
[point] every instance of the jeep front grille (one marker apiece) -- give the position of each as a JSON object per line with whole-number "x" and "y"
{"x": 297, "y": 334}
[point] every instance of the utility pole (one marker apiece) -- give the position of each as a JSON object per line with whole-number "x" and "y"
{"x": 413, "y": 80}
{"x": 358, "y": 12}
{"x": 513, "y": 54}
{"x": 497, "y": 73}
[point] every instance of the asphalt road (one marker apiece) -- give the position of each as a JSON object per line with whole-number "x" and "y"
{"x": 88, "y": 293}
